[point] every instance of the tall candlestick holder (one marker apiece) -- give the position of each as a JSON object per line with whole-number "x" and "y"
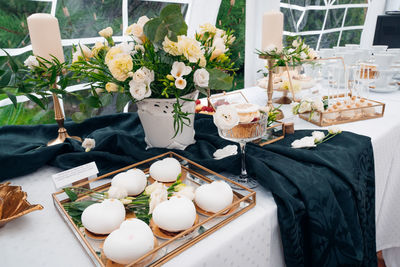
{"x": 59, "y": 117}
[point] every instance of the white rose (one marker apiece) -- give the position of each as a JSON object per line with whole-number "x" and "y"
{"x": 117, "y": 192}
{"x": 226, "y": 117}
{"x": 126, "y": 48}
{"x": 139, "y": 76}
{"x": 153, "y": 187}
{"x": 227, "y": 151}
{"x": 31, "y": 62}
{"x": 149, "y": 75}
{"x": 201, "y": 78}
{"x": 159, "y": 195}
{"x": 143, "y": 20}
{"x": 318, "y": 136}
{"x": 179, "y": 69}
{"x": 82, "y": 52}
{"x": 186, "y": 191}
{"x": 305, "y": 106}
{"x": 307, "y": 141}
{"x": 263, "y": 83}
{"x": 107, "y": 32}
{"x": 219, "y": 43}
{"x": 88, "y": 144}
{"x": 318, "y": 105}
{"x": 180, "y": 83}
{"x": 312, "y": 54}
{"x": 139, "y": 91}
{"x": 334, "y": 130}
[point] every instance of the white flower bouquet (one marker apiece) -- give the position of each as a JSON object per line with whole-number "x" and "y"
{"x": 158, "y": 60}
{"x": 308, "y": 105}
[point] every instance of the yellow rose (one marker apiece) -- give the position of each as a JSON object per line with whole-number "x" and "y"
{"x": 112, "y": 53}
{"x": 112, "y": 87}
{"x": 98, "y": 47}
{"x": 106, "y": 33}
{"x": 170, "y": 47}
{"x": 120, "y": 67}
{"x": 190, "y": 48}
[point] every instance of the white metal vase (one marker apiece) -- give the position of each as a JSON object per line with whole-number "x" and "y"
{"x": 156, "y": 116}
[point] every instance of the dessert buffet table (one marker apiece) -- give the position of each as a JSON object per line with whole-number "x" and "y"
{"x": 43, "y": 239}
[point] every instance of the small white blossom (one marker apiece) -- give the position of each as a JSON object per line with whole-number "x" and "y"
{"x": 159, "y": 195}
{"x": 88, "y": 144}
{"x": 117, "y": 192}
{"x": 318, "y": 136}
{"x": 31, "y": 62}
{"x": 106, "y": 33}
{"x": 227, "y": 151}
{"x": 226, "y": 117}
{"x": 334, "y": 130}
{"x": 180, "y": 83}
{"x": 153, "y": 187}
{"x": 307, "y": 141}
{"x": 179, "y": 69}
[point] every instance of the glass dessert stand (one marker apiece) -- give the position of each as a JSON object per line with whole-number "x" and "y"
{"x": 242, "y": 134}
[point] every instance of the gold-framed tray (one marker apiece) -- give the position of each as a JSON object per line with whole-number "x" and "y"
{"x": 165, "y": 249}
{"x": 357, "y": 109}
{"x": 273, "y": 133}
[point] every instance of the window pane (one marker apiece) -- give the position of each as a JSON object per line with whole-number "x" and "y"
{"x": 342, "y": 2}
{"x": 13, "y": 14}
{"x": 82, "y": 19}
{"x": 355, "y": 16}
{"x": 351, "y": 37}
{"x": 291, "y": 16}
{"x": 138, "y": 8}
{"x": 313, "y": 20}
{"x": 335, "y": 18}
{"x": 311, "y": 40}
{"x": 329, "y": 40}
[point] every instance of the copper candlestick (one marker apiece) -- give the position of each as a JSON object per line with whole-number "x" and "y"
{"x": 59, "y": 117}
{"x": 270, "y": 89}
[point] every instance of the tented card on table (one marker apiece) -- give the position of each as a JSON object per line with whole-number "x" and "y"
{"x": 73, "y": 175}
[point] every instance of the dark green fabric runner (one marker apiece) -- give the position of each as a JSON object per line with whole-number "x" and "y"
{"x": 325, "y": 195}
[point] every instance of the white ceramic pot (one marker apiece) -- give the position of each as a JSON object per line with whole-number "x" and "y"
{"x": 156, "y": 116}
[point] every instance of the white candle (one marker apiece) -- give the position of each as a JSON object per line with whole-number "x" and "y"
{"x": 45, "y": 36}
{"x": 272, "y": 30}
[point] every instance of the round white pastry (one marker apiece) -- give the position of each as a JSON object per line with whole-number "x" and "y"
{"x": 214, "y": 197}
{"x": 103, "y": 218}
{"x": 166, "y": 170}
{"x": 132, "y": 240}
{"x": 174, "y": 215}
{"x": 134, "y": 181}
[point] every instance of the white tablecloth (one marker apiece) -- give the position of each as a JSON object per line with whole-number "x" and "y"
{"x": 43, "y": 239}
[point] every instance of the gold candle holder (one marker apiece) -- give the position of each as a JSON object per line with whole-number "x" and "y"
{"x": 59, "y": 117}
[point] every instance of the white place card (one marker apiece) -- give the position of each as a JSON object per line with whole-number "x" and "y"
{"x": 64, "y": 178}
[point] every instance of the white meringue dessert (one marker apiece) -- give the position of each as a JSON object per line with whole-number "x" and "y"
{"x": 103, "y": 218}
{"x": 134, "y": 181}
{"x": 132, "y": 240}
{"x": 166, "y": 170}
{"x": 175, "y": 215}
{"x": 214, "y": 197}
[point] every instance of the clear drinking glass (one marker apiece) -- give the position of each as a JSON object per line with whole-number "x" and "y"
{"x": 242, "y": 134}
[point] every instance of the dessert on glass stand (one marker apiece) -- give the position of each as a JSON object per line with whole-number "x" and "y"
{"x": 241, "y": 123}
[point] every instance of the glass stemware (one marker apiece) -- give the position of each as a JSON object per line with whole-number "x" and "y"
{"x": 242, "y": 134}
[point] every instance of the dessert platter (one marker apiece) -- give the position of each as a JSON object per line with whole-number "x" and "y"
{"x": 345, "y": 108}
{"x": 144, "y": 214}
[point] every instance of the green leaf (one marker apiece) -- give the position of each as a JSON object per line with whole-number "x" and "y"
{"x": 11, "y": 61}
{"x": 106, "y": 99}
{"x": 72, "y": 195}
{"x": 36, "y": 100}
{"x": 13, "y": 99}
{"x": 219, "y": 80}
{"x": 2, "y": 72}
{"x": 170, "y": 10}
{"x": 92, "y": 101}
{"x": 5, "y": 79}
{"x": 78, "y": 116}
{"x": 152, "y": 27}
{"x": 122, "y": 100}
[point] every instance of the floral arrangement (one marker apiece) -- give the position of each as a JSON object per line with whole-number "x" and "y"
{"x": 293, "y": 54}
{"x": 157, "y": 60}
{"x": 316, "y": 138}
{"x": 142, "y": 205}
{"x": 308, "y": 105}
{"x": 160, "y": 61}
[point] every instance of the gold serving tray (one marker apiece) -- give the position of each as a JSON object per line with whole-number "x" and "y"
{"x": 166, "y": 249}
{"x": 360, "y": 113}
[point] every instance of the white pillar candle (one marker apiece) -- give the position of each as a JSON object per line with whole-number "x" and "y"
{"x": 45, "y": 36}
{"x": 272, "y": 30}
